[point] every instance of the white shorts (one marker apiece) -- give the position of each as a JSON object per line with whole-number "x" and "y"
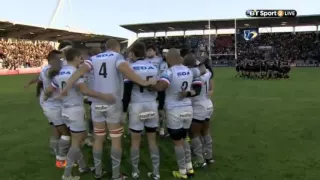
{"x": 106, "y": 113}
{"x": 74, "y": 118}
{"x": 179, "y": 117}
{"x": 143, "y": 115}
{"x": 202, "y": 109}
{"x": 53, "y": 115}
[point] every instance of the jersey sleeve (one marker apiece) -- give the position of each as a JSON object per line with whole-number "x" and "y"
{"x": 163, "y": 66}
{"x": 166, "y": 76}
{"x": 196, "y": 72}
{"x": 119, "y": 59}
{"x": 54, "y": 83}
{"x": 89, "y": 63}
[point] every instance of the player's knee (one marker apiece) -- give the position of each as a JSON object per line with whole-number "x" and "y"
{"x": 151, "y": 129}
{"x": 116, "y": 133}
{"x": 100, "y": 132}
{"x": 176, "y": 134}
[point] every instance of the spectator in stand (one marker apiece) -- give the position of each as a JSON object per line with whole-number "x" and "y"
{"x": 303, "y": 46}
{"x": 23, "y": 54}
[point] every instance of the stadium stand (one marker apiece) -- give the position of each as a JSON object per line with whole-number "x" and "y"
{"x": 24, "y": 46}
{"x": 296, "y": 47}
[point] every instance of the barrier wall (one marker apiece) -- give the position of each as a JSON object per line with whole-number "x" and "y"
{"x": 4, "y": 72}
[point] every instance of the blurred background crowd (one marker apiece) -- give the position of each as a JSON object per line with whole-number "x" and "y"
{"x": 23, "y": 54}
{"x": 293, "y": 47}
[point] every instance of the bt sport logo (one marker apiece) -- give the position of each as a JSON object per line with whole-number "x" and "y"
{"x": 271, "y": 13}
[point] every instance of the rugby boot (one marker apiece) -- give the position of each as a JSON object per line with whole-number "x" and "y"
{"x": 200, "y": 165}
{"x": 178, "y": 175}
{"x": 70, "y": 178}
{"x": 153, "y": 176}
{"x": 86, "y": 170}
{"x": 210, "y": 161}
{"x": 122, "y": 177}
{"x": 135, "y": 176}
{"x": 61, "y": 163}
{"x": 190, "y": 172}
{"x": 100, "y": 176}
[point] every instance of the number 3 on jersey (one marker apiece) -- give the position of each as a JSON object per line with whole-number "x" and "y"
{"x": 103, "y": 70}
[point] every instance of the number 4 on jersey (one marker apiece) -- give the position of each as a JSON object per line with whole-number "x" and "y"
{"x": 103, "y": 70}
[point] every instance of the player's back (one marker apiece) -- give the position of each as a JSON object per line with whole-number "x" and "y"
{"x": 205, "y": 79}
{"x": 180, "y": 78}
{"x": 106, "y": 77}
{"x": 74, "y": 96}
{"x": 145, "y": 70}
{"x": 46, "y": 81}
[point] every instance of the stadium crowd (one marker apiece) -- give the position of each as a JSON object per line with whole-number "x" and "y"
{"x": 286, "y": 46}
{"x": 23, "y": 54}
{"x": 304, "y": 47}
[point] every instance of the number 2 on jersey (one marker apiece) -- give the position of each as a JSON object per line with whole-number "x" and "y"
{"x": 103, "y": 70}
{"x": 141, "y": 87}
{"x": 184, "y": 85}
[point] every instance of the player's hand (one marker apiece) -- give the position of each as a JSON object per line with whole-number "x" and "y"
{"x": 63, "y": 93}
{"x": 183, "y": 94}
{"x": 151, "y": 82}
{"x": 109, "y": 98}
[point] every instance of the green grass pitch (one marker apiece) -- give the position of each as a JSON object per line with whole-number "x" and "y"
{"x": 262, "y": 129}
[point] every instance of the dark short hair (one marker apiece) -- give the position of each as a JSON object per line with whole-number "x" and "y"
{"x": 53, "y": 54}
{"x": 138, "y": 49}
{"x": 64, "y": 44}
{"x": 72, "y": 53}
{"x": 184, "y": 52}
{"x": 152, "y": 46}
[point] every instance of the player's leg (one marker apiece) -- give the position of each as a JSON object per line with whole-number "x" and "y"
{"x": 206, "y": 136}
{"x": 61, "y": 132}
{"x": 151, "y": 126}
{"x": 199, "y": 116}
{"x": 99, "y": 128}
{"x": 116, "y": 130}
{"x": 54, "y": 139}
{"x": 186, "y": 116}
{"x": 89, "y": 139}
{"x": 176, "y": 132}
{"x": 136, "y": 127}
{"x": 75, "y": 116}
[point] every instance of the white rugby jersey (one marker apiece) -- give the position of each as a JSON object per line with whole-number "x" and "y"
{"x": 159, "y": 63}
{"x": 205, "y": 87}
{"x": 52, "y": 101}
{"x": 74, "y": 97}
{"x": 106, "y": 76}
{"x": 146, "y": 71}
{"x": 179, "y": 77}
{"x": 88, "y": 78}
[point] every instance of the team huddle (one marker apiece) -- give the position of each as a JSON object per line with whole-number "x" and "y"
{"x": 148, "y": 93}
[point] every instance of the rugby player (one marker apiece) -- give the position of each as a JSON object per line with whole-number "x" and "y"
{"x": 202, "y": 111}
{"x": 143, "y": 111}
{"x": 60, "y": 138}
{"x": 73, "y": 109}
{"x": 177, "y": 81}
{"x": 88, "y": 79}
{"x": 161, "y": 65}
{"x": 107, "y": 68}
